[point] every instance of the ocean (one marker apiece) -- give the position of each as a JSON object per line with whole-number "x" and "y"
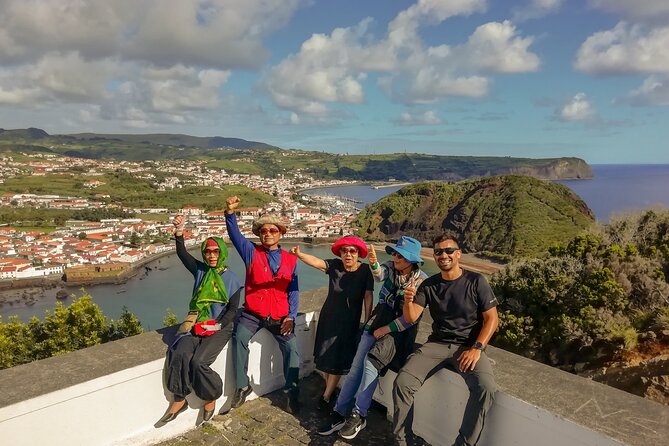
{"x": 615, "y": 188}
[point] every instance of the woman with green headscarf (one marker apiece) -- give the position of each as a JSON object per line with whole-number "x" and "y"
{"x": 207, "y": 328}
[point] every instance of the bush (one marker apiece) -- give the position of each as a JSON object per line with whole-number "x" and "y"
{"x": 68, "y": 328}
{"x": 602, "y": 287}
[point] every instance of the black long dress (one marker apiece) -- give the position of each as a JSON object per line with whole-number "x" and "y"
{"x": 339, "y": 320}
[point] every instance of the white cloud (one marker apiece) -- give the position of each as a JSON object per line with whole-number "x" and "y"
{"x": 496, "y": 48}
{"x": 331, "y": 68}
{"x": 223, "y": 34}
{"x": 625, "y": 49}
{"x": 653, "y": 91}
{"x": 577, "y": 108}
{"x": 56, "y": 77}
{"x": 96, "y": 53}
{"x": 635, "y": 9}
{"x": 429, "y": 117}
{"x": 536, "y": 9}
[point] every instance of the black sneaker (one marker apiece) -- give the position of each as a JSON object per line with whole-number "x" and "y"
{"x": 293, "y": 402}
{"x": 334, "y": 422}
{"x": 240, "y": 396}
{"x": 354, "y": 424}
{"x": 324, "y": 405}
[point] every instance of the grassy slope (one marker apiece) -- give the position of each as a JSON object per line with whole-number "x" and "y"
{"x": 132, "y": 192}
{"x": 509, "y": 215}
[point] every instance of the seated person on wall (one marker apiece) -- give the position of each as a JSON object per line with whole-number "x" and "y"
{"x": 385, "y": 340}
{"x": 350, "y": 287}
{"x": 272, "y": 299}
{"x": 463, "y": 308}
{"x": 207, "y": 328}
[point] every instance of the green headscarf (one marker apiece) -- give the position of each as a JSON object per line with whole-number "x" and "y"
{"x": 212, "y": 288}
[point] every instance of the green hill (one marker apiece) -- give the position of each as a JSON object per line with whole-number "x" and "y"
{"x": 510, "y": 215}
{"x": 240, "y": 156}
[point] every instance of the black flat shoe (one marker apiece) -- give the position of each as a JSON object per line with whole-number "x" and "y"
{"x": 170, "y": 416}
{"x": 208, "y": 414}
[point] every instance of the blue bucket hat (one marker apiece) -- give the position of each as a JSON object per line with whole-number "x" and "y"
{"x": 407, "y": 247}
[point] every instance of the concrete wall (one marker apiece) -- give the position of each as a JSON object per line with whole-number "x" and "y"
{"x": 122, "y": 407}
{"x": 113, "y": 394}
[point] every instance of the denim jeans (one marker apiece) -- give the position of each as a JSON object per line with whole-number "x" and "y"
{"x": 248, "y": 325}
{"x": 361, "y": 380}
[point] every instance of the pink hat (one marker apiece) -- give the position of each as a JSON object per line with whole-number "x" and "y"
{"x": 350, "y": 240}
{"x": 211, "y": 243}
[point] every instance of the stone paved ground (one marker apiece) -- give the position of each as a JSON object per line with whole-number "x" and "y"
{"x": 263, "y": 421}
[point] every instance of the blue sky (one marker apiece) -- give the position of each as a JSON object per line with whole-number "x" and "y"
{"x": 535, "y": 78}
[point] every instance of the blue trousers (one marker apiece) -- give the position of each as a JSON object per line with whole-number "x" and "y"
{"x": 248, "y": 325}
{"x": 361, "y": 380}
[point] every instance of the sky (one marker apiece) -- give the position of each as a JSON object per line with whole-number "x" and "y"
{"x": 525, "y": 78}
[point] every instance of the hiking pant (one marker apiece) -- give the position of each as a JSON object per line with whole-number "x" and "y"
{"x": 248, "y": 325}
{"x": 430, "y": 358}
{"x": 188, "y": 365}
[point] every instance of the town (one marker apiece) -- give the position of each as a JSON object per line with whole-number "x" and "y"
{"x": 79, "y": 248}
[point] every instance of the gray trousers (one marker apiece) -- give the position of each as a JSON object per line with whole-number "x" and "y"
{"x": 426, "y": 361}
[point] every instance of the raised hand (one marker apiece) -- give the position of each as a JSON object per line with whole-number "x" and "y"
{"x": 410, "y": 291}
{"x": 371, "y": 255}
{"x": 179, "y": 222}
{"x": 295, "y": 250}
{"x": 231, "y": 203}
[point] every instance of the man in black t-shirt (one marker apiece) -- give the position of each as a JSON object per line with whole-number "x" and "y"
{"x": 463, "y": 307}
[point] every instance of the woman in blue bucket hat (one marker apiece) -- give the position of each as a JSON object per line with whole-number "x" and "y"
{"x": 387, "y": 338}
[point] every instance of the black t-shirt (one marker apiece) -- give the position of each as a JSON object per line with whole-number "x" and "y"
{"x": 456, "y": 306}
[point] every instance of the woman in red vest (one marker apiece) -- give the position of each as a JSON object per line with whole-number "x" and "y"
{"x": 272, "y": 299}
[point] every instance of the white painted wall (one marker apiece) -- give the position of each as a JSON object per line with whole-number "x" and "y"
{"x": 440, "y": 404}
{"x": 122, "y": 408}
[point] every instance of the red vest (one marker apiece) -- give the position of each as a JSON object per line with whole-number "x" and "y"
{"x": 267, "y": 293}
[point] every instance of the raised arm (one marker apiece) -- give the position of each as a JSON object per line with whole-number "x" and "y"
{"x": 188, "y": 260}
{"x": 378, "y": 271}
{"x": 313, "y": 261}
{"x": 411, "y": 310}
{"x": 243, "y": 246}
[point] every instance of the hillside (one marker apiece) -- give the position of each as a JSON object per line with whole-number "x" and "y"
{"x": 510, "y": 215}
{"x": 241, "y": 156}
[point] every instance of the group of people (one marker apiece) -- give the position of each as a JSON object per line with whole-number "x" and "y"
{"x": 461, "y": 303}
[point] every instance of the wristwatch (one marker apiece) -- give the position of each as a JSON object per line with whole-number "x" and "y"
{"x": 478, "y": 346}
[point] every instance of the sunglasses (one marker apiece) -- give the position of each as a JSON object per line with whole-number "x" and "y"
{"x": 212, "y": 252}
{"x": 265, "y": 231}
{"x": 397, "y": 254}
{"x": 351, "y": 251}
{"x": 449, "y": 251}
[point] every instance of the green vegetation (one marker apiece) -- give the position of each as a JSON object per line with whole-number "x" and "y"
{"x": 240, "y": 156}
{"x": 170, "y": 318}
{"x": 590, "y": 297}
{"x": 79, "y": 325}
{"x": 125, "y": 190}
{"x": 506, "y": 215}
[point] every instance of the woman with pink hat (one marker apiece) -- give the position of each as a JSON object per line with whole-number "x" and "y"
{"x": 350, "y": 288}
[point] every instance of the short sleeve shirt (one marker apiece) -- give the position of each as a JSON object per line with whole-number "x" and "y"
{"x": 456, "y": 306}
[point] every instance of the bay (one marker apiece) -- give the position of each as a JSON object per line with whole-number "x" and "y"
{"x": 169, "y": 285}
{"x": 615, "y": 188}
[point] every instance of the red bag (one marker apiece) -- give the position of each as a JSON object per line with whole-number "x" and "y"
{"x": 206, "y": 328}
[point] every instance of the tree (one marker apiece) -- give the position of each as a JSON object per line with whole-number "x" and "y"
{"x": 79, "y": 325}
{"x": 170, "y": 318}
{"x": 127, "y": 325}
